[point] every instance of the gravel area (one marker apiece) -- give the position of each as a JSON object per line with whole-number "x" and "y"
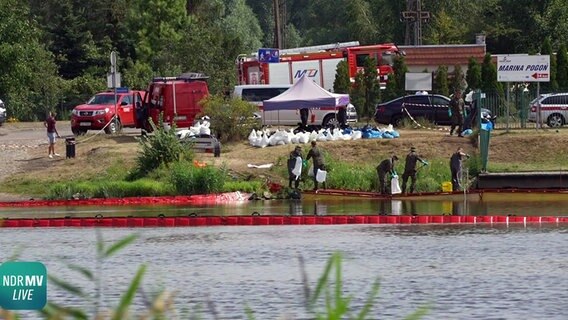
{"x": 19, "y": 143}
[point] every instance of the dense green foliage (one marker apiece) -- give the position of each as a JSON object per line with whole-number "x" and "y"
{"x": 55, "y": 53}
{"x": 159, "y": 149}
{"x": 231, "y": 118}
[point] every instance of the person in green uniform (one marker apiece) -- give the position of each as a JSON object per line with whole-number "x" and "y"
{"x": 317, "y": 158}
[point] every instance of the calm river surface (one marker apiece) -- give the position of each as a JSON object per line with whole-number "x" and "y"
{"x": 521, "y": 204}
{"x": 460, "y": 271}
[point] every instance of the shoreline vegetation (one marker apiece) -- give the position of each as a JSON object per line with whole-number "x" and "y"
{"x": 129, "y": 166}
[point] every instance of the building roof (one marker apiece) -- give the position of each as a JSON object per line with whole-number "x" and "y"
{"x": 449, "y": 55}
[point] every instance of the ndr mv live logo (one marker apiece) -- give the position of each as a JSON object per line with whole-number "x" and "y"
{"x": 23, "y": 286}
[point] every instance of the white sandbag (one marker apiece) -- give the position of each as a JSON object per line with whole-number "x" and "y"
{"x": 321, "y": 175}
{"x": 321, "y": 137}
{"x": 205, "y": 130}
{"x": 294, "y": 139}
{"x": 252, "y": 135}
{"x": 297, "y": 171}
{"x": 395, "y": 187}
{"x": 389, "y": 128}
{"x": 289, "y": 136}
{"x": 346, "y": 137}
{"x": 356, "y": 135}
{"x": 313, "y": 136}
{"x": 263, "y": 141}
{"x": 303, "y": 138}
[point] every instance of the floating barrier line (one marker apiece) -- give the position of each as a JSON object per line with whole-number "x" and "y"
{"x": 199, "y": 199}
{"x": 203, "y": 221}
{"x": 234, "y": 197}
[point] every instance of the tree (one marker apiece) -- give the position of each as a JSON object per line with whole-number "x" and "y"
{"x": 390, "y": 91}
{"x": 442, "y": 80}
{"x": 372, "y": 88}
{"x": 562, "y": 67}
{"x": 445, "y": 29}
{"x": 243, "y": 24}
{"x": 68, "y": 37}
{"x": 357, "y": 95}
{"x": 458, "y": 80}
{"x": 473, "y": 75}
{"x": 362, "y": 25}
{"x": 547, "y": 50}
{"x": 342, "y": 82}
{"x": 489, "y": 76}
{"x": 29, "y": 83}
{"x": 160, "y": 25}
{"x": 400, "y": 70}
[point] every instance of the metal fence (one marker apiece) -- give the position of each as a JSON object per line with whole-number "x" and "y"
{"x": 513, "y": 111}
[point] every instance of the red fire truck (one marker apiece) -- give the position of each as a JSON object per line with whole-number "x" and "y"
{"x": 318, "y": 63}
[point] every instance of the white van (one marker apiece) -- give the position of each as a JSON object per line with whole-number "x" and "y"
{"x": 257, "y": 93}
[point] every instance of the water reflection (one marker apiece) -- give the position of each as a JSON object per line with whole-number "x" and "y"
{"x": 521, "y": 204}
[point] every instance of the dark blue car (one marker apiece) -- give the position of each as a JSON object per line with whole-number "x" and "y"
{"x": 432, "y": 107}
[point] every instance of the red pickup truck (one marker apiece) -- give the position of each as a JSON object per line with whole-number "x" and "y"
{"x": 98, "y": 113}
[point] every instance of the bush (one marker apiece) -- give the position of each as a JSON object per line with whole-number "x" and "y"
{"x": 187, "y": 179}
{"x": 161, "y": 148}
{"x": 231, "y": 119}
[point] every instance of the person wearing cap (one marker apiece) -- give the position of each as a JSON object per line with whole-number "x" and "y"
{"x": 456, "y": 167}
{"x": 317, "y": 157}
{"x": 292, "y": 160}
{"x": 412, "y": 159}
{"x": 386, "y": 167}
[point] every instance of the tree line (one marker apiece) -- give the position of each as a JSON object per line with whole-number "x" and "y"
{"x": 54, "y": 54}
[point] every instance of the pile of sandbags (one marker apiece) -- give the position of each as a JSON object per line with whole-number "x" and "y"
{"x": 201, "y": 128}
{"x": 265, "y": 138}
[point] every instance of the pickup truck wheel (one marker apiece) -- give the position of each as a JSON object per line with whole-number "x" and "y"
{"x": 330, "y": 120}
{"x": 113, "y": 127}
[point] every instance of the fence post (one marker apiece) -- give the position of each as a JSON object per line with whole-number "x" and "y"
{"x": 508, "y": 108}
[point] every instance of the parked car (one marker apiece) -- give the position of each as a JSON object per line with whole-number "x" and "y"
{"x": 553, "y": 109}
{"x": 2, "y": 112}
{"x": 99, "y": 111}
{"x": 432, "y": 107}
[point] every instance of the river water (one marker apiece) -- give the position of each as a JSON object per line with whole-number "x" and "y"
{"x": 458, "y": 271}
{"x": 520, "y": 204}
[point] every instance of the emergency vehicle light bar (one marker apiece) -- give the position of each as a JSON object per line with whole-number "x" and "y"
{"x": 188, "y": 76}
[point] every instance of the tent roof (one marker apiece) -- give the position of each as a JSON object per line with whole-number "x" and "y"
{"x": 305, "y": 94}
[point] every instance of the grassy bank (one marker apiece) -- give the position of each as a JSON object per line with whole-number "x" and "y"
{"x": 104, "y": 164}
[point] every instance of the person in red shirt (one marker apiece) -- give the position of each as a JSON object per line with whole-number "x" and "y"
{"x": 51, "y": 134}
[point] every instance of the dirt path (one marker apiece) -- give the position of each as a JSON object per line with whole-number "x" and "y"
{"x": 20, "y": 145}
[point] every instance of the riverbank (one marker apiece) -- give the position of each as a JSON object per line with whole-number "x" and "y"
{"x": 27, "y": 172}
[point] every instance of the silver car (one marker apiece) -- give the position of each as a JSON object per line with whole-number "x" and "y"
{"x": 553, "y": 109}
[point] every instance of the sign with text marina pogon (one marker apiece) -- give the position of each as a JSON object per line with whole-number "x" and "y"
{"x": 523, "y": 68}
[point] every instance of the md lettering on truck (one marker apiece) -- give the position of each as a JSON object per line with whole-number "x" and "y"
{"x": 23, "y": 286}
{"x": 309, "y": 72}
{"x": 522, "y": 67}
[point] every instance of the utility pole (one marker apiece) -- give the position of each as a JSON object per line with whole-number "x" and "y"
{"x": 414, "y": 18}
{"x": 277, "y": 30}
{"x": 280, "y": 19}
